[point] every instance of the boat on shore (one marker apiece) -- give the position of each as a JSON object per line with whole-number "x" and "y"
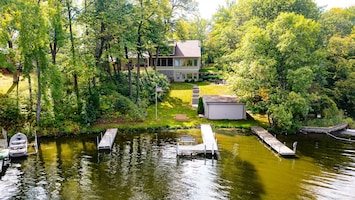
{"x": 18, "y": 145}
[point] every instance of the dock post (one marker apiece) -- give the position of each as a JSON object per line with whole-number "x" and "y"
{"x": 212, "y": 149}
{"x": 97, "y": 141}
{"x": 4, "y": 134}
{"x": 110, "y": 140}
{"x": 1, "y": 164}
{"x": 36, "y": 142}
{"x": 205, "y": 151}
{"x": 294, "y": 145}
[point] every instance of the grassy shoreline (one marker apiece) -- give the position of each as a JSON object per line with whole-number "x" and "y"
{"x": 179, "y": 102}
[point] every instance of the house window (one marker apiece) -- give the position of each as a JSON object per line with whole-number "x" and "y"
{"x": 170, "y": 62}
{"x": 163, "y": 62}
{"x": 185, "y": 62}
{"x": 177, "y": 62}
{"x": 195, "y": 62}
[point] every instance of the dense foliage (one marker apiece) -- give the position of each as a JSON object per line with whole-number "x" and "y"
{"x": 83, "y": 61}
{"x": 287, "y": 59}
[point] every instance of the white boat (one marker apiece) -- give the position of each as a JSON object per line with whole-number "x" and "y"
{"x": 18, "y": 145}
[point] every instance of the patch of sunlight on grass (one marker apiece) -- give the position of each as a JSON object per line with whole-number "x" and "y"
{"x": 182, "y": 91}
{"x": 260, "y": 118}
{"x": 184, "y": 95}
{"x": 6, "y": 82}
{"x": 214, "y": 89}
{"x": 166, "y": 104}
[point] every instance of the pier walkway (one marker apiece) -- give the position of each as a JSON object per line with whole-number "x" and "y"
{"x": 107, "y": 140}
{"x": 326, "y": 130}
{"x": 274, "y": 143}
{"x": 4, "y": 154}
{"x": 208, "y": 147}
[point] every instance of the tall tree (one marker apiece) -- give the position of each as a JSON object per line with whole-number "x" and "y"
{"x": 57, "y": 36}
{"x": 276, "y": 69}
{"x": 74, "y": 57}
{"x": 33, "y": 44}
{"x": 8, "y": 30}
{"x": 230, "y": 22}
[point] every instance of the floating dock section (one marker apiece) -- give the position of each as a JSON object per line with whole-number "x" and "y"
{"x": 4, "y": 153}
{"x": 312, "y": 129}
{"x": 107, "y": 140}
{"x": 208, "y": 147}
{"x": 274, "y": 143}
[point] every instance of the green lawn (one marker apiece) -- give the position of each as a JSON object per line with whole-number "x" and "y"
{"x": 6, "y": 82}
{"x": 179, "y": 102}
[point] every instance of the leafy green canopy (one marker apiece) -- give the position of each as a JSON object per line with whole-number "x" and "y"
{"x": 286, "y": 58}
{"x": 75, "y": 54}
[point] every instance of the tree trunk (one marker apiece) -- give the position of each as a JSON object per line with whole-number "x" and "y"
{"x": 16, "y": 73}
{"x": 268, "y": 119}
{"x": 39, "y": 94}
{"x": 30, "y": 94}
{"x": 156, "y": 58}
{"x": 53, "y": 48}
{"x": 76, "y": 84}
{"x": 139, "y": 51}
{"x": 129, "y": 73}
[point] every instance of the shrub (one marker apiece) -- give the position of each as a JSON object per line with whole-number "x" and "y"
{"x": 117, "y": 106}
{"x": 200, "y": 107}
{"x": 10, "y": 115}
{"x": 70, "y": 127}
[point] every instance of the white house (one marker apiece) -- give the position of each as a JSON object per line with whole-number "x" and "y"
{"x": 223, "y": 107}
{"x": 183, "y": 63}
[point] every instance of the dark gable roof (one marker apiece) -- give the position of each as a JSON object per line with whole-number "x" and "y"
{"x": 220, "y": 99}
{"x": 188, "y": 48}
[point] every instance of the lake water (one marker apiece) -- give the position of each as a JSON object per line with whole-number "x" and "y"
{"x": 145, "y": 166}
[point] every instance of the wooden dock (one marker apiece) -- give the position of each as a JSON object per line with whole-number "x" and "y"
{"x": 3, "y": 143}
{"x": 4, "y": 161}
{"x": 107, "y": 140}
{"x": 312, "y": 129}
{"x": 208, "y": 147}
{"x": 1, "y": 165}
{"x": 274, "y": 143}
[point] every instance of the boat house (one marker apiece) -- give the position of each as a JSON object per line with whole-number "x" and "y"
{"x": 219, "y": 107}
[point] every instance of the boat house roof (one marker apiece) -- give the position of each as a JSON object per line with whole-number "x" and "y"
{"x": 220, "y": 99}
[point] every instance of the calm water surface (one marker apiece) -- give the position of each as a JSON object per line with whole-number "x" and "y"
{"x": 144, "y": 166}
